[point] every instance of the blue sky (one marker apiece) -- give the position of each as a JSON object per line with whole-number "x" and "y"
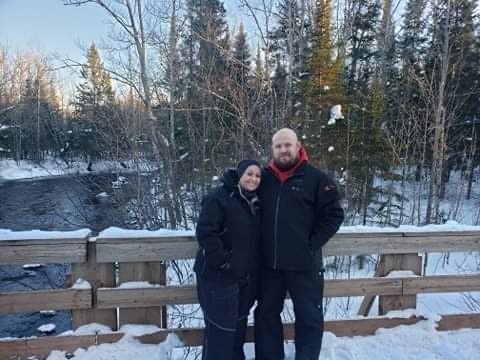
{"x": 50, "y": 26}
{"x": 60, "y": 31}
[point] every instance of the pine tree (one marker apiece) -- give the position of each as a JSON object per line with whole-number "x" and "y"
{"x": 96, "y": 89}
{"x": 241, "y": 58}
{"x": 322, "y": 88}
{"x": 94, "y": 130}
{"x": 405, "y": 107}
{"x": 241, "y": 93}
{"x": 40, "y": 123}
{"x": 206, "y": 49}
{"x": 289, "y": 40}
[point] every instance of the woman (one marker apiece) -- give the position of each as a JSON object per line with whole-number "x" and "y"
{"x": 228, "y": 260}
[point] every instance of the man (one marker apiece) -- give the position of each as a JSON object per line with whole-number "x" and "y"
{"x": 301, "y": 212}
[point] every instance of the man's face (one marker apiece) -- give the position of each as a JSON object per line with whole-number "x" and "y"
{"x": 285, "y": 148}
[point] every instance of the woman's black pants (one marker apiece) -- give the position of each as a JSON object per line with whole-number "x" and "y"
{"x": 225, "y": 310}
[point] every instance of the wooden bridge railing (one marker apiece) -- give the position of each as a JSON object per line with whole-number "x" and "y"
{"x": 106, "y": 262}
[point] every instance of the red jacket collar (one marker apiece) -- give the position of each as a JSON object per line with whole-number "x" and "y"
{"x": 284, "y": 175}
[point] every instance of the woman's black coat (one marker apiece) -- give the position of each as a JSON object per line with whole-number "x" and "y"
{"x": 228, "y": 234}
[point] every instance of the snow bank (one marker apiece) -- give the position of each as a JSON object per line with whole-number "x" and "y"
{"x": 47, "y": 328}
{"x": 114, "y": 232}
{"x": 137, "y": 285}
{"x": 25, "y": 169}
{"x": 6, "y": 234}
{"x": 401, "y": 274}
{"x": 126, "y": 349}
{"x": 450, "y": 225}
{"x": 138, "y": 330}
{"x": 81, "y": 284}
{"x": 404, "y": 342}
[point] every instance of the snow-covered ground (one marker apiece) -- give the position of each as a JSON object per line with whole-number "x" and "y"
{"x": 405, "y": 342}
{"x": 10, "y": 170}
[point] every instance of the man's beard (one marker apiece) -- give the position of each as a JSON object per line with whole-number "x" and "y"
{"x": 285, "y": 166}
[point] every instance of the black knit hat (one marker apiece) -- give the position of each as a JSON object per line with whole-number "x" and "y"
{"x": 243, "y": 166}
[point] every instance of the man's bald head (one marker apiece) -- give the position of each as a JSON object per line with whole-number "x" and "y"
{"x": 285, "y": 133}
{"x": 285, "y": 148}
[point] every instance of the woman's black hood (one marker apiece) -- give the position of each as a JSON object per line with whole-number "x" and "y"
{"x": 230, "y": 180}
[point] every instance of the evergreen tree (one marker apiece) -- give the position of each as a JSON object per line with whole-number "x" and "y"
{"x": 366, "y": 148}
{"x": 94, "y": 131}
{"x": 96, "y": 89}
{"x": 241, "y": 93}
{"x": 206, "y": 48}
{"x": 465, "y": 75}
{"x": 289, "y": 41}
{"x": 241, "y": 58}
{"x": 40, "y": 129}
{"x": 322, "y": 89}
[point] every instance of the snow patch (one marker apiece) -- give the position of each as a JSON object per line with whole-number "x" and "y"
{"x": 6, "y": 234}
{"x": 401, "y": 274}
{"x": 127, "y": 349}
{"x": 138, "y": 330}
{"x": 32, "y": 266}
{"x": 336, "y": 112}
{"x": 137, "y": 285}
{"x": 114, "y": 232}
{"x": 48, "y": 312}
{"x": 81, "y": 284}
{"x": 47, "y": 328}
{"x": 92, "y": 329}
{"x": 450, "y": 225}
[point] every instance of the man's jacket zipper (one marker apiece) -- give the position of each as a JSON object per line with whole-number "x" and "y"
{"x": 275, "y": 240}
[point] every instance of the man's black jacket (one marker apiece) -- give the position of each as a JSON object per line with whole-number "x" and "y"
{"x": 298, "y": 217}
{"x": 228, "y": 234}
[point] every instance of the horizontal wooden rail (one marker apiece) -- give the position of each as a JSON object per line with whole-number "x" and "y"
{"x": 74, "y": 250}
{"x": 23, "y": 348}
{"x": 441, "y": 284}
{"x": 109, "y": 298}
{"x": 145, "y": 249}
{"x": 172, "y": 248}
{"x": 403, "y": 243}
{"x": 56, "y": 299}
{"x": 43, "y": 251}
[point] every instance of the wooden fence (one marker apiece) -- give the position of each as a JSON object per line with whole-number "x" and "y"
{"x": 106, "y": 263}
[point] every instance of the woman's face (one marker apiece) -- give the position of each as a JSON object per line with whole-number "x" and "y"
{"x": 250, "y": 178}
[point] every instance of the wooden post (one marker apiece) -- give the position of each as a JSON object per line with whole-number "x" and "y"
{"x": 153, "y": 272}
{"x": 368, "y": 300}
{"x": 398, "y": 262}
{"x": 98, "y": 275}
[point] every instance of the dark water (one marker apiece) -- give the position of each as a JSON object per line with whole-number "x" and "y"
{"x": 53, "y": 204}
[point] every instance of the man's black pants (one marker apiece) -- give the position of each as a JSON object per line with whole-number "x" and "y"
{"x": 306, "y": 291}
{"x": 225, "y": 310}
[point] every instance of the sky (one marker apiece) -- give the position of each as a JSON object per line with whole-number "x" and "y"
{"x": 61, "y": 32}
{"x": 50, "y": 26}
{"x": 53, "y": 27}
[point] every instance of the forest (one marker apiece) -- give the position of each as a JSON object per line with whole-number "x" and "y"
{"x": 383, "y": 95}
